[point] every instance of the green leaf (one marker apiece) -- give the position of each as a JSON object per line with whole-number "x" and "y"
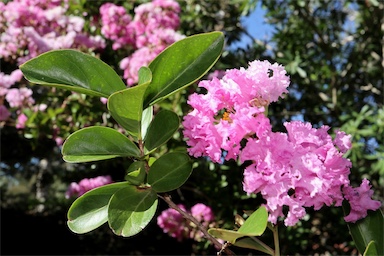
{"x": 161, "y": 129}
{"x": 183, "y": 63}
{"x": 226, "y": 235}
{"x": 145, "y": 75}
{"x": 90, "y": 211}
{"x": 136, "y": 173}
{"x": 126, "y": 108}
{"x": 169, "y": 172}
{"x": 371, "y": 249}
{"x": 73, "y": 70}
{"x": 255, "y": 224}
{"x": 97, "y": 143}
{"x": 131, "y": 209}
{"x": 368, "y": 229}
{"x": 250, "y": 243}
{"x": 146, "y": 120}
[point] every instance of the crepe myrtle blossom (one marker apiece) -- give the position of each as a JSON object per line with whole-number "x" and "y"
{"x": 173, "y": 223}
{"x": 78, "y": 189}
{"x": 303, "y": 167}
{"x": 232, "y": 108}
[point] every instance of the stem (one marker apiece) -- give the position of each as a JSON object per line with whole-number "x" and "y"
{"x": 276, "y": 240}
{"x": 189, "y": 217}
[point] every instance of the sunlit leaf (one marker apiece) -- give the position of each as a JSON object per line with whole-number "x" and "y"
{"x": 97, "y": 143}
{"x": 169, "y": 172}
{"x": 73, "y": 70}
{"x": 161, "y": 129}
{"x": 183, "y": 63}
{"x": 131, "y": 209}
{"x": 90, "y": 211}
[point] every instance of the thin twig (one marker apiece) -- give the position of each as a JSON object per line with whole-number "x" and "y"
{"x": 189, "y": 217}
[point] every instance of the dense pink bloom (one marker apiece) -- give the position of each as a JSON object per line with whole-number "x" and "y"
{"x": 360, "y": 200}
{"x": 78, "y": 189}
{"x": 302, "y": 168}
{"x": 232, "y": 109}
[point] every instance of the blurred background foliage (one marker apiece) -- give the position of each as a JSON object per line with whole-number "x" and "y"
{"x": 333, "y": 53}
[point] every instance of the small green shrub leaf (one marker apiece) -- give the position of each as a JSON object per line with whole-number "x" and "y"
{"x": 255, "y": 224}
{"x": 169, "y": 172}
{"x": 136, "y": 173}
{"x": 90, "y": 210}
{"x": 74, "y": 71}
{"x": 131, "y": 209}
{"x": 161, "y": 129}
{"x": 183, "y": 63}
{"x": 126, "y": 107}
{"x": 247, "y": 242}
{"x": 97, "y": 143}
{"x": 368, "y": 229}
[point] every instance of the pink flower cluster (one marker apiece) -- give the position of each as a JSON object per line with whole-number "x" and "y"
{"x": 149, "y": 32}
{"x": 78, "y": 189}
{"x": 301, "y": 168}
{"x": 173, "y": 223}
{"x": 231, "y": 109}
{"x": 31, "y": 27}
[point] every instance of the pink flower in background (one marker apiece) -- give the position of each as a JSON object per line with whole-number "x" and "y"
{"x": 4, "y": 113}
{"x": 202, "y": 213}
{"x": 149, "y": 32}
{"x": 78, "y": 189}
{"x": 173, "y": 223}
{"x": 21, "y": 120}
{"x": 19, "y": 97}
{"x": 360, "y": 200}
{"x": 116, "y": 25}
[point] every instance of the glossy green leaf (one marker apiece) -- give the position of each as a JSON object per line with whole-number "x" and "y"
{"x": 250, "y": 243}
{"x": 131, "y": 209}
{"x": 368, "y": 229}
{"x": 126, "y": 107}
{"x": 226, "y": 235}
{"x": 73, "y": 70}
{"x": 255, "y": 224}
{"x": 371, "y": 249}
{"x": 146, "y": 120}
{"x": 97, "y": 143}
{"x": 90, "y": 211}
{"x": 145, "y": 75}
{"x": 183, "y": 63}
{"x": 161, "y": 129}
{"x": 136, "y": 173}
{"x": 169, "y": 172}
